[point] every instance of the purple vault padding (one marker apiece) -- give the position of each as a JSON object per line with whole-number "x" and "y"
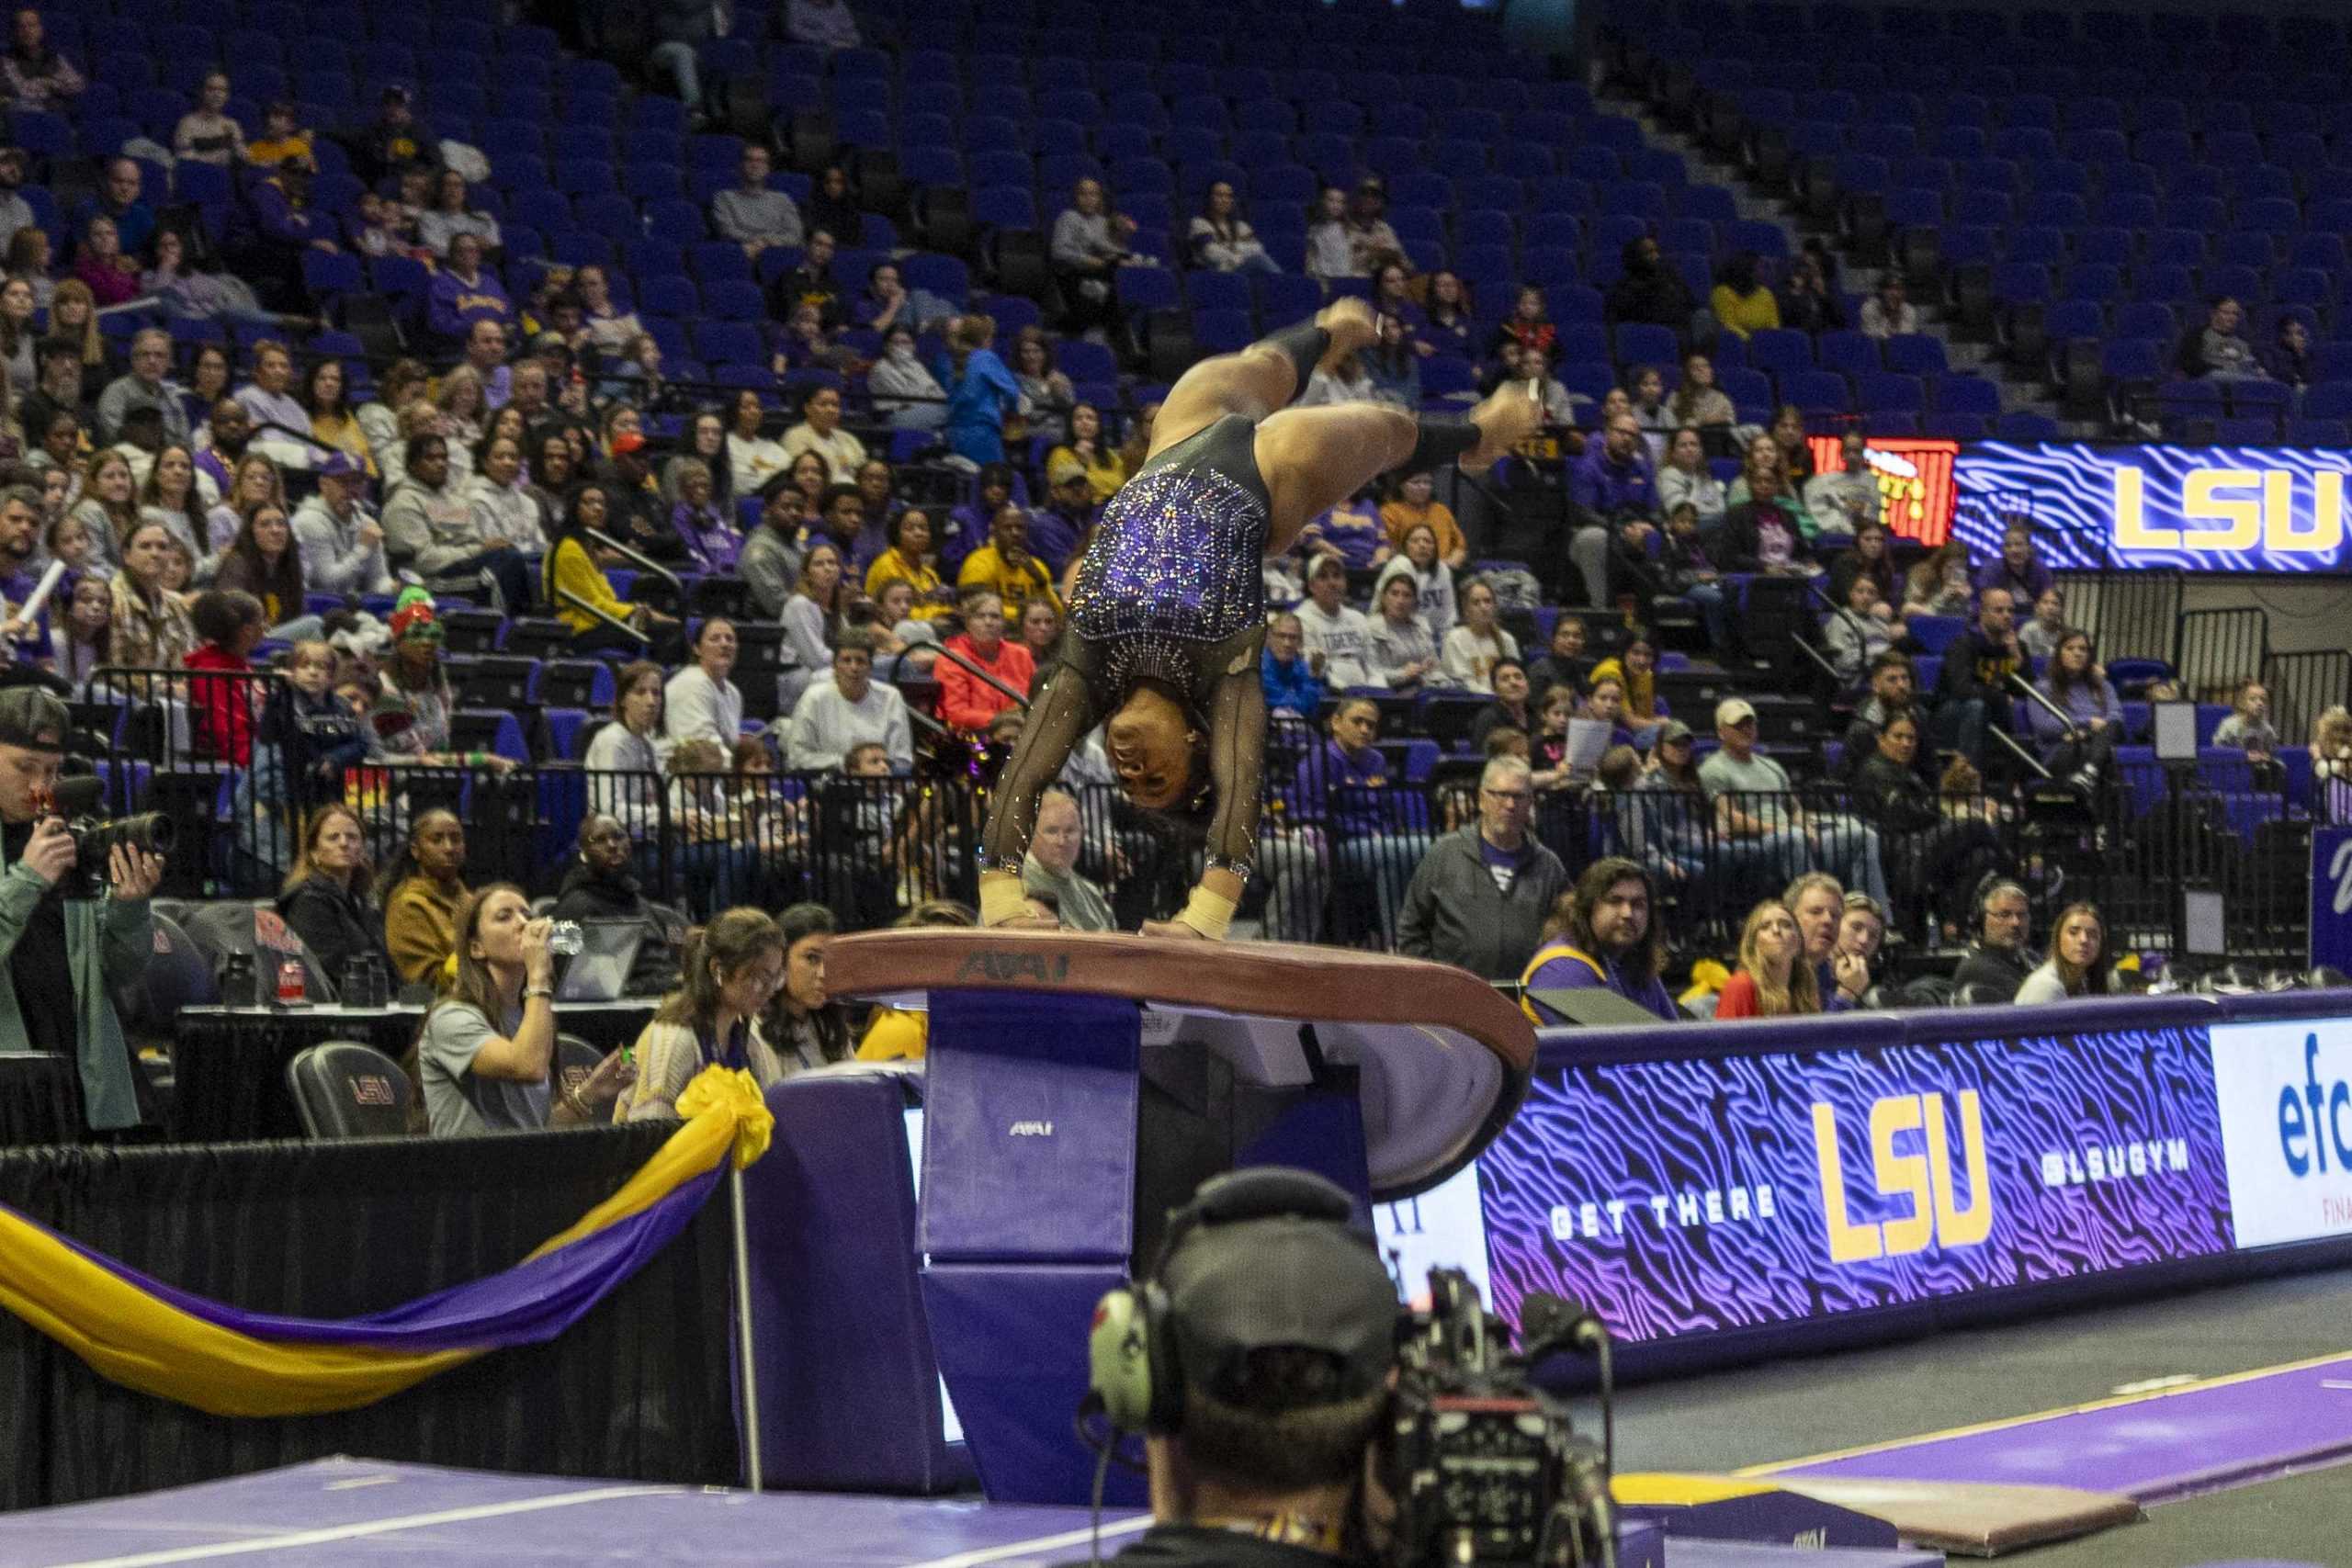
{"x": 1028, "y": 1213}
{"x": 2170, "y": 1445}
{"x": 849, "y": 1391}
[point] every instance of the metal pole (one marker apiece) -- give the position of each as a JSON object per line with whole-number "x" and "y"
{"x": 743, "y": 1337}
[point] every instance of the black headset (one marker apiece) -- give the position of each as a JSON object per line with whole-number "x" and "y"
{"x": 1133, "y": 1372}
{"x": 1987, "y": 887}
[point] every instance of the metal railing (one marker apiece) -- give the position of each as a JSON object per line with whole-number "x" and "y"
{"x": 2217, "y": 650}
{"x": 1334, "y": 858}
{"x": 2129, "y": 614}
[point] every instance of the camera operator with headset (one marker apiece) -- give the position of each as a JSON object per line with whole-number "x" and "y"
{"x": 68, "y": 941}
{"x": 1294, "y": 1415}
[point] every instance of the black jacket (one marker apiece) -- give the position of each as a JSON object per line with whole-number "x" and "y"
{"x": 1658, "y": 295}
{"x": 1992, "y": 966}
{"x": 335, "y": 925}
{"x": 587, "y": 894}
{"x": 1977, "y": 668}
{"x": 1893, "y": 797}
{"x": 1456, "y": 914}
{"x": 1739, "y": 545}
{"x": 1203, "y": 1546}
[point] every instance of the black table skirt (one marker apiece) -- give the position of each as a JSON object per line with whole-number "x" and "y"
{"x": 41, "y": 1099}
{"x": 229, "y": 1063}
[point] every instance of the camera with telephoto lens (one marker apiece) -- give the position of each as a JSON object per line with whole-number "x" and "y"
{"x": 77, "y": 801}
{"x": 1483, "y": 1467}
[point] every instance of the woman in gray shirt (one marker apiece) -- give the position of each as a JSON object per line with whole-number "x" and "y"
{"x": 486, "y": 1059}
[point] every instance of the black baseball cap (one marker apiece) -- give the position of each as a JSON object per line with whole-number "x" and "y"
{"x": 34, "y": 719}
{"x": 1281, "y": 1282}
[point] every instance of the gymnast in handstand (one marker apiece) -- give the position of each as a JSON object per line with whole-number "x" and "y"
{"x": 1169, "y": 610}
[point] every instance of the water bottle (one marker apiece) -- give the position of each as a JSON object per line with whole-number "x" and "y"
{"x": 237, "y": 989}
{"x": 363, "y": 981}
{"x": 565, "y": 939}
{"x": 293, "y": 984}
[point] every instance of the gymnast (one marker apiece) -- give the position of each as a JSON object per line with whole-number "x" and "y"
{"x": 1170, "y": 609}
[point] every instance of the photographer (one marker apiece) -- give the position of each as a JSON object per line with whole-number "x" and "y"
{"x": 66, "y": 953}
{"x": 1282, "y": 1323}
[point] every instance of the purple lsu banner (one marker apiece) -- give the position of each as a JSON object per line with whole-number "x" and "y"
{"x": 1726, "y": 1193}
{"x": 2266, "y": 509}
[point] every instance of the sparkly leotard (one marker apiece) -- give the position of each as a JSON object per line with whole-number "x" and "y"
{"x": 1175, "y": 566}
{"x": 1172, "y": 589}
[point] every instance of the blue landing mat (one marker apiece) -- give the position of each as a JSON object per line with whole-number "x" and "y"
{"x": 358, "y": 1512}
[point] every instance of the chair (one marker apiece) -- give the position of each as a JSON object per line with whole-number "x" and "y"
{"x": 344, "y": 1089}
{"x": 179, "y": 974}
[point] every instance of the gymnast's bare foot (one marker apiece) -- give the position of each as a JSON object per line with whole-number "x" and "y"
{"x": 1507, "y": 417}
{"x": 1352, "y": 325}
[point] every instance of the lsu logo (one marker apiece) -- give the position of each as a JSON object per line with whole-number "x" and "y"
{"x": 2242, "y": 508}
{"x": 1924, "y": 1179}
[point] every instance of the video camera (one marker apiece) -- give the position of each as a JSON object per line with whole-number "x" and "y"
{"x": 1483, "y": 1466}
{"x": 77, "y": 800}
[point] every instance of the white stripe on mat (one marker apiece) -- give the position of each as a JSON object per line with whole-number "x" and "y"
{"x": 1043, "y": 1543}
{"x": 374, "y": 1527}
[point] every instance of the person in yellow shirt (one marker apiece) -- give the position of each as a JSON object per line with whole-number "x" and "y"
{"x": 1414, "y": 501}
{"x": 569, "y": 572}
{"x": 907, "y": 560}
{"x": 893, "y": 1035}
{"x": 280, "y": 138}
{"x": 1106, "y": 471}
{"x": 1004, "y": 566}
{"x": 1741, "y": 302}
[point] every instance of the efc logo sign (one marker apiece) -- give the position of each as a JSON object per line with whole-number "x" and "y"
{"x": 1920, "y": 1178}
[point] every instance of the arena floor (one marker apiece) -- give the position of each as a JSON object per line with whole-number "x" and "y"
{"x": 1786, "y": 1410}
{"x": 352, "y": 1511}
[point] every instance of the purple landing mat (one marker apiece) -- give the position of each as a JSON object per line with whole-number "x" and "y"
{"x": 2178, "y": 1444}
{"x": 344, "y": 1511}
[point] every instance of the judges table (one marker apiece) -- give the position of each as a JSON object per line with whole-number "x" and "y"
{"x": 230, "y": 1062}
{"x": 41, "y": 1100}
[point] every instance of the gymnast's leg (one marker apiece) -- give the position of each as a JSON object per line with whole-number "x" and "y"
{"x": 1313, "y": 458}
{"x": 1268, "y": 375}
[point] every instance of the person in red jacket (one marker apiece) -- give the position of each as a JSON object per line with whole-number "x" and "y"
{"x": 967, "y": 702}
{"x": 1773, "y": 980}
{"x": 231, "y": 624}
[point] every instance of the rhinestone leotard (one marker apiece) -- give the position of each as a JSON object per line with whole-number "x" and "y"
{"x": 1175, "y": 567}
{"x": 1170, "y": 588}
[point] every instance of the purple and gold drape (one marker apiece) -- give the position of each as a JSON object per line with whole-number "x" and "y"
{"x": 152, "y": 1336}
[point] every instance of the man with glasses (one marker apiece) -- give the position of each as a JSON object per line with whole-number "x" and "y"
{"x": 147, "y": 386}
{"x": 1480, "y": 897}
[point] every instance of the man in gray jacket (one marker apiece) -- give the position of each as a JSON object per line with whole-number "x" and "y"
{"x": 770, "y": 560}
{"x": 342, "y": 547}
{"x": 429, "y": 529}
{"x": 1479, "y": 897}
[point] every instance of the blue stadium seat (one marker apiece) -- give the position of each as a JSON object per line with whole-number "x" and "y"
{"x": 1817, "y": 391}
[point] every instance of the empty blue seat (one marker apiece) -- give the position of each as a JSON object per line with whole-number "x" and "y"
{"x": 1817, "y": 391}
{"x": 1880, "y": 392}
{"x": 1780, "y": 350}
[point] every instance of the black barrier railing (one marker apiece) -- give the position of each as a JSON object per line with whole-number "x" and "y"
{"x": 2219, "y": 651}
{"x": 2305, "y": 685}
{"x": 2129, "y": 614}
{"x": 1336, "y": 858}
